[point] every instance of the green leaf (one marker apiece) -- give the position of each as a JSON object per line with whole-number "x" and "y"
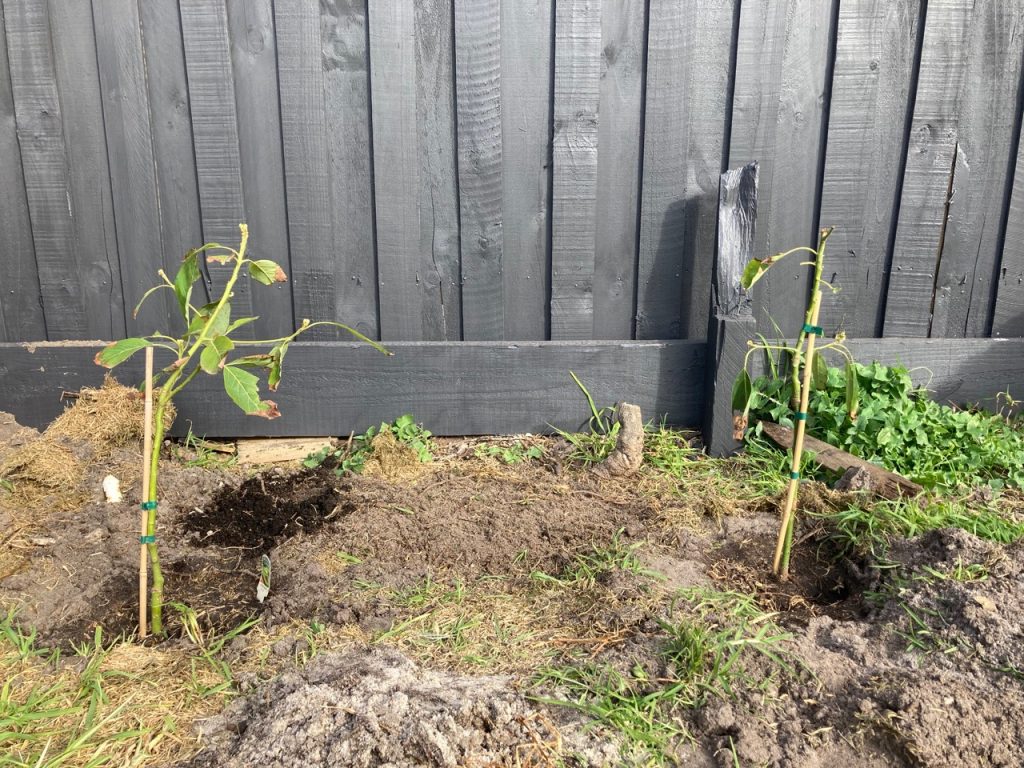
{"x": 220, "y": 324}
{"x": 267, "y": 272}
{"x": 243, "y": 388}
{"x": 819, "y": 373}
{"x": 212, "y": 357}
{"x": 277, "y": 360}
{"x": 261, "y": 360}
{"x": 742, "y": 389}
{"x": 116, "y": 353}
{"x": 852, "y": 390}
{"x": 188, "y": 274}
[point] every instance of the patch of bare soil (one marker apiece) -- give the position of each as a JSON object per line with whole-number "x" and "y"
{"x": 917, "y": 664}
{"x": 376, "y": 708}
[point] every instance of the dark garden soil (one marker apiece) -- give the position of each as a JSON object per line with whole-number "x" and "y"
{"x": 884, "y": 670}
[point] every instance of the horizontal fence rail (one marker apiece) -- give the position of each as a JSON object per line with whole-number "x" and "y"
{"x": 446, "y": 170}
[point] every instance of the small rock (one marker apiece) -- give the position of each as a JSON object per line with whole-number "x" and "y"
{"x": 41, "y": 541}
{"x": 855, "y": 479}
{"x": 985, "y": 602}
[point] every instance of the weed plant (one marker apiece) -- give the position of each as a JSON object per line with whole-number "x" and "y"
{"x": 901, "y": 428}
{"x": 352, "y": 458}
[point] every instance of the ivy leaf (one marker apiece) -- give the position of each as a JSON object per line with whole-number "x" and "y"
{"x": 188, "y": 274}
{"x": 267, "y": 272}
{"x": 243, "y": 388}
{"x": 741, "y": 391}
{"x": 116, "y": 353}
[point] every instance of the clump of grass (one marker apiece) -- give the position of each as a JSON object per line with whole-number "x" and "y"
{"x": 869, "y": 530}
{"x": 116, "y": 703}
{"x": 705, "y": 653}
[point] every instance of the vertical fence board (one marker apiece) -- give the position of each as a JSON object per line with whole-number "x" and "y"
{"x": 927, "y": 177}
{"x": 478, "y": 96}
{"x": 689, "y": 54}
{"x": 526, "y": 38}
{"x": 965, "y": 284}
{"x": 61, "y": 263}
{"x": 1009, "y": 310}
{"x": 871, "y": 91}
{"x": 126, "y": 115}
{"x": 21, "y": 312}
{"x": 325, "y": 122}
{"x": 618, "y": 167}
{"x": 412, "y": 87}
{"x": 89, "y": 188}
{"x": 574, "y": 158}
{"x": 215, "y": 134}
{"x": 171, "y": 124}
{"x": 778, "y": 109}
{"x": 254, "y": 66}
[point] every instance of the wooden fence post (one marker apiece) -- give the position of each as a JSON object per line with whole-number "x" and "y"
{"x": 731, "y": 322}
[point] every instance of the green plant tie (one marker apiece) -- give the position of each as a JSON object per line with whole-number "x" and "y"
{"x": 814, "y": 329}
{"x": 148, "y": 505}
{"x": 147, "y": 539}
{"x": 801, "y": 416}
{"x": 794, "y": 475}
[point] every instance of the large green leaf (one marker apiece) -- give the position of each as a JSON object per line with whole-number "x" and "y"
{"x": 188, "y": 274}
{"x": 243, "y": 388}
{"x": 116, "y": 353}
{"x": 220, "y": 324}
{"x": 753, "y": 272}
{"x": 211, "y": 359}
{"x": 742, "y": 390}
{"x": 267, "y": 271}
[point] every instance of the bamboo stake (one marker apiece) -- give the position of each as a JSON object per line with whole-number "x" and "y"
{"x": 786, "y": 530}
{"x": 147, "y": 450}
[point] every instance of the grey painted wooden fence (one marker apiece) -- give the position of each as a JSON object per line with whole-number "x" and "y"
{"x": 541, "y": 169}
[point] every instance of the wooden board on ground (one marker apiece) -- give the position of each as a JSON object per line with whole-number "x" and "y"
{"x": 273, "y": 450}
{"x": 885, "y": 483}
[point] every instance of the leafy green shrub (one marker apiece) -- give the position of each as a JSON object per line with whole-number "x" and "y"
{"x": 514, "y": 453}
{"x": 900, "y": 427}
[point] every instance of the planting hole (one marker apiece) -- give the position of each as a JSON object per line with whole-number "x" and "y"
{"x": 267, "y": 509}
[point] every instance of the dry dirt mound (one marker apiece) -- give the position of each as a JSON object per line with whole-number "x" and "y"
{"x": 377, "y": 708}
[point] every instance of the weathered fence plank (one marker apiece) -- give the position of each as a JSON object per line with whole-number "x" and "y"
{"x": 872, "y": 93}
{"x": 21, "y": 312}
{"x": 79, "y": 284}
{"x": 928, "y": 177}
{"x": 460, "y": 388}
{"x": 204, "y": 26}
{"x": 689, "y": 62}
{"x": 325, "y": 123}
{"x": 478, "y": 96}
{"x": 778, "y": 111}
{"x": 985, "y": 134}
{"x": 254, "y": 66}
{"x": 1009, "y": 310}
{"x": 171, "y": 124}
{"x": 619, "y": 141}
{"x": 527, "y": 30}
{"x": 412, "y": 92}
{"x": 129, "y": 134}
{"x": 574, "y": 164}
